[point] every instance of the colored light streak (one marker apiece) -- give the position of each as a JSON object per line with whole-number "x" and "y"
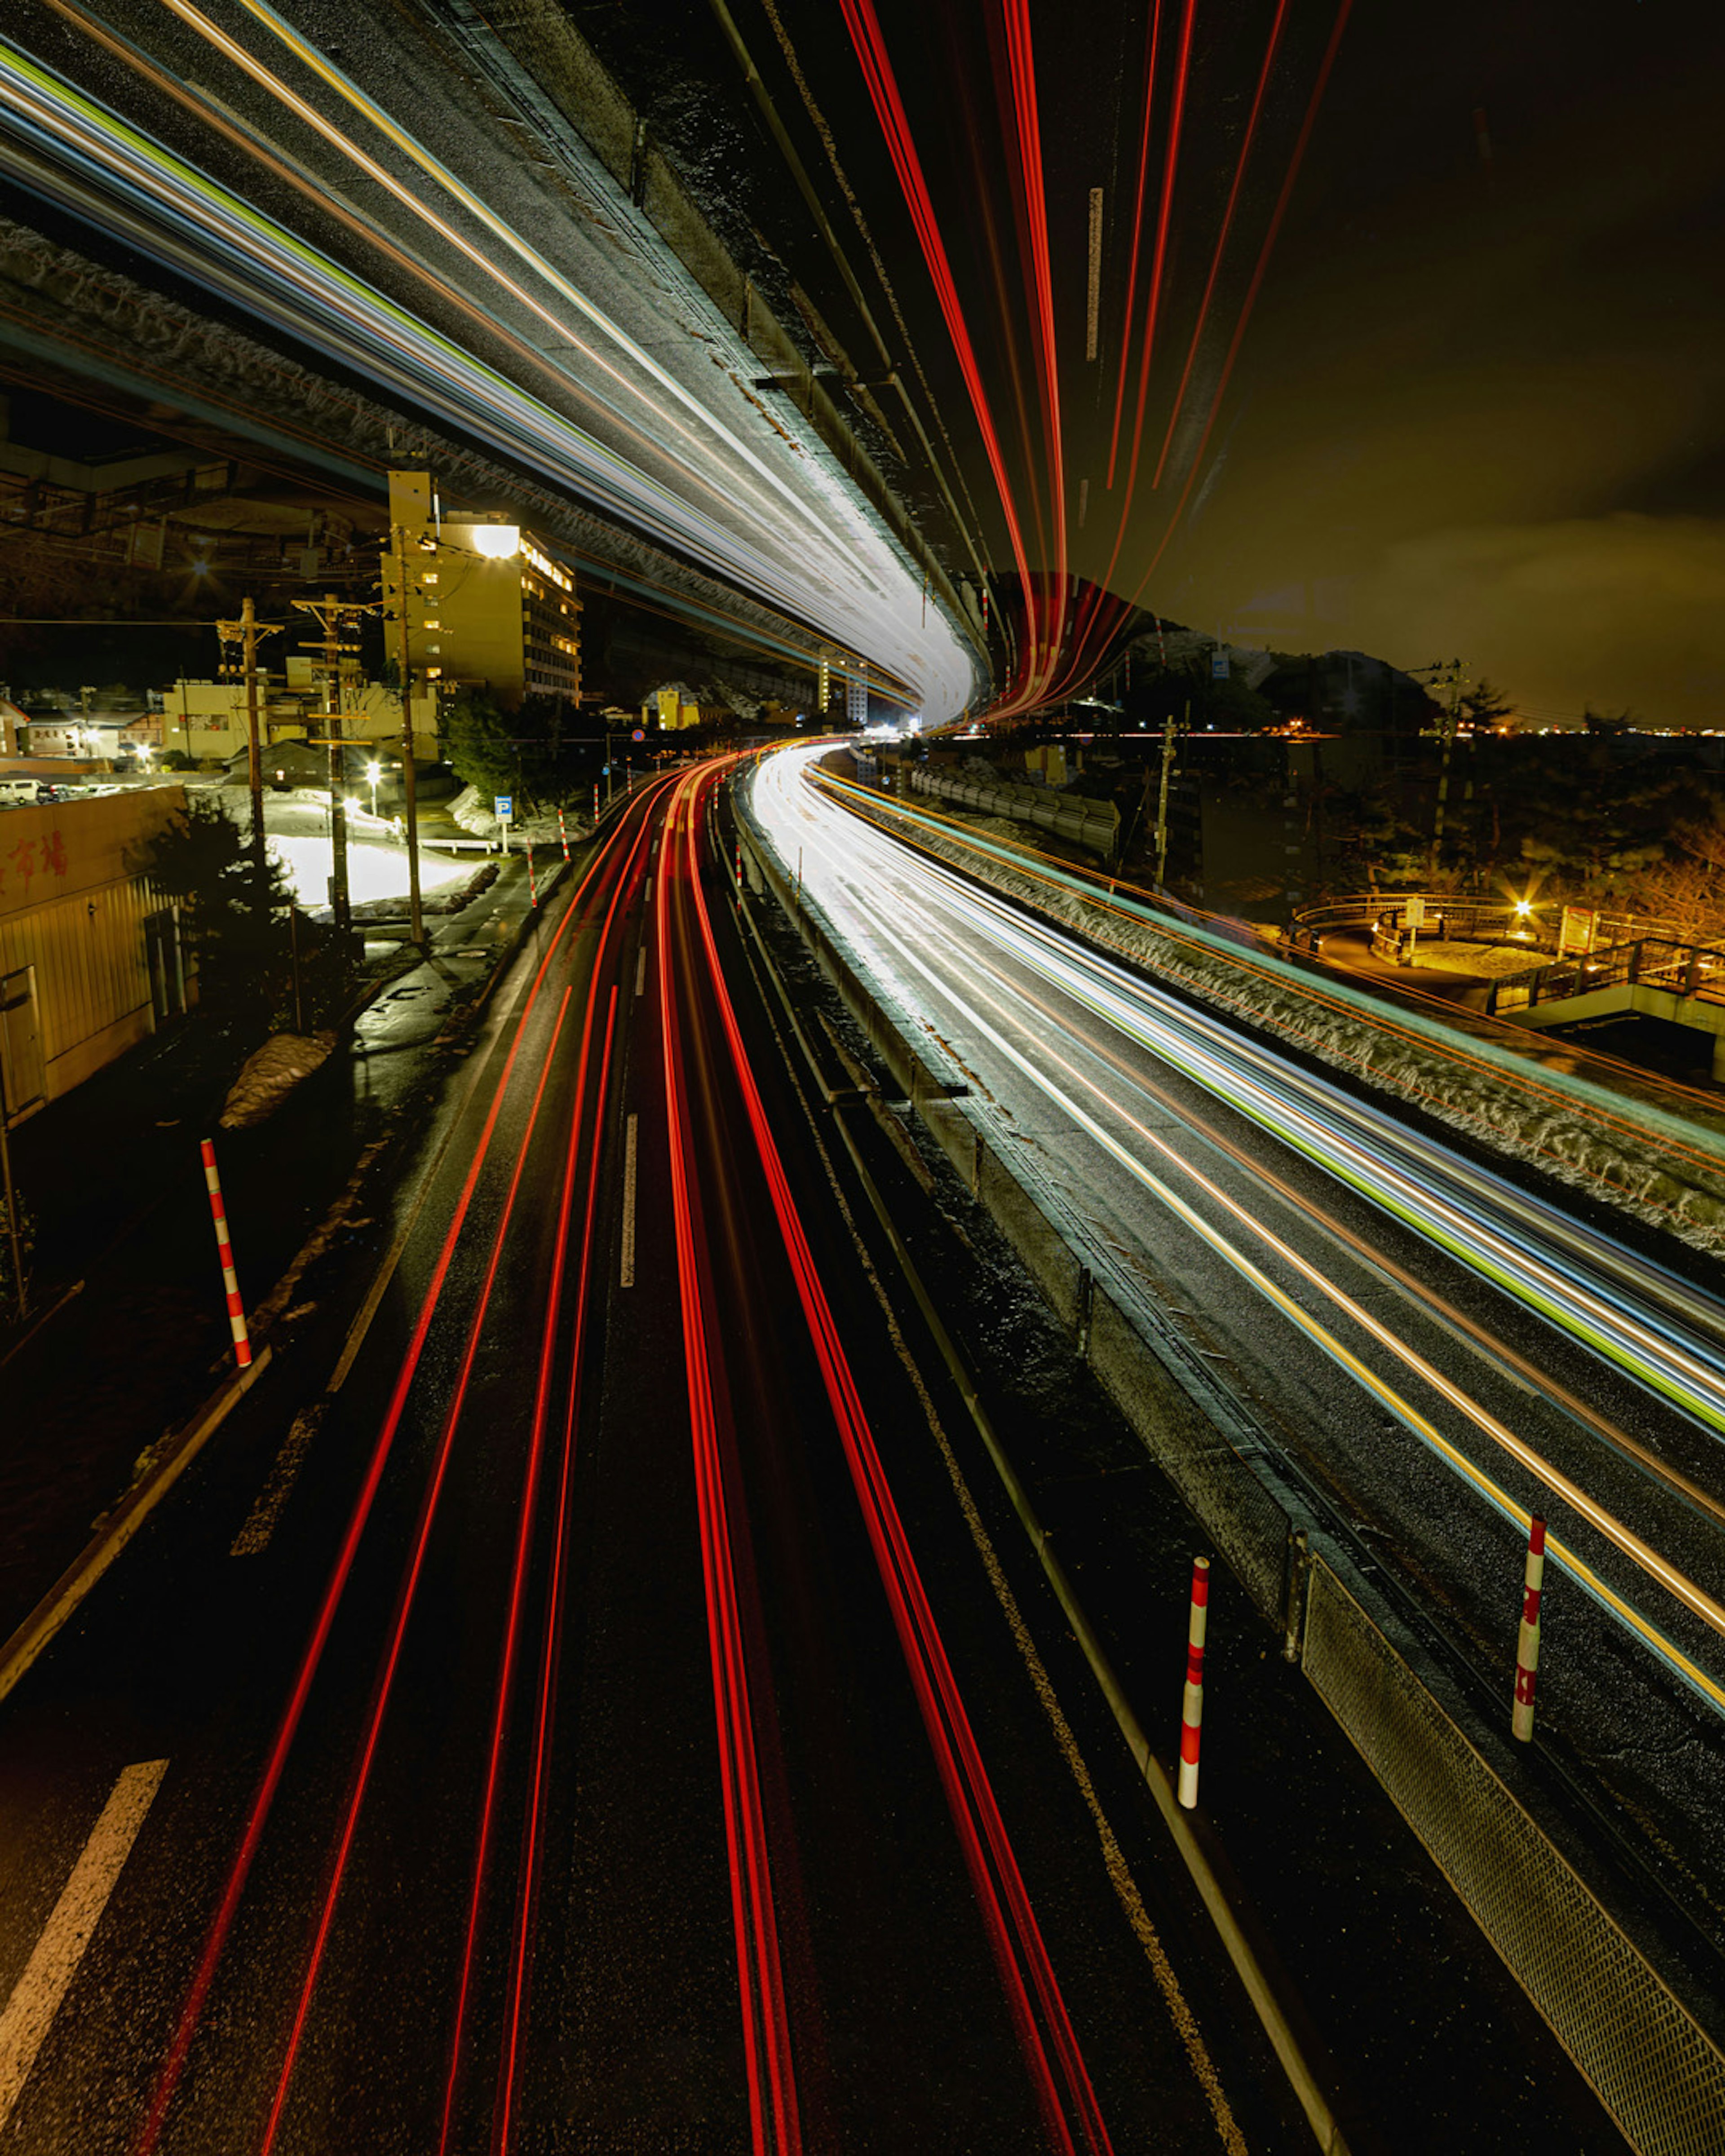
{"x": 773, "y": 2114}
{"x": 172, "y": 2069}
{"x": 1046, "y": 2038}
{"x": 1223, "y": 231}
{"x": 1612, "y": 1302}
{"x": 865, "y": 36}
{"x": 861, "y": 594}
{"x": 1154, "y": 39}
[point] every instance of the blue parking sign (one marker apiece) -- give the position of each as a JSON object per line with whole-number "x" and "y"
{"x": 503, "y": 806}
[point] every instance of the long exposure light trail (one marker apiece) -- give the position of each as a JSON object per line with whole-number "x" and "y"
{"x": 641, "y": 368}
{"x": 774, "y": 2110}
{"x": 1049, "y": 2043}
{"x": 56, "y": 139}
{"x": 411, "y": 1370}
{"x": 404, "y": 1609}
{"x": 1596, "y": 1252}
{"x": 866, "y": 33}
{"x": 1648, "y": 1343}
{"x": 1640, "y": 1552}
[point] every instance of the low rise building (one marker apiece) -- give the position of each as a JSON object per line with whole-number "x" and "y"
{"x": 90, "y": 957}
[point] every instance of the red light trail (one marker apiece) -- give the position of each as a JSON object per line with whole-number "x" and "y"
{"x": 1048, "y": 2044}
{"x": 766, "y": 2027}
{"x": 1154, "y": 40}
{"x": 174, "y": 2062}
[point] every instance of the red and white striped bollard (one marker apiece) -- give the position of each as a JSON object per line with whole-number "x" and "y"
{"x": 563, "y": 835}
{"x": 1528, "y": 1646}
{"x": 532, "y": 881}
{"x": 236, "y": 1308}
{"x": 1192, "y": 1707}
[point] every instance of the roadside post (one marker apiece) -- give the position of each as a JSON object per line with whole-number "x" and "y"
{"x": 1528, "y": 1646}
{"x": 1192, "y": 1706}
{"x": 503, "y": 809}
{"x": 532, "y": 881}
{"x": 230, "y": 1282}
{"x": 563, "y": 835}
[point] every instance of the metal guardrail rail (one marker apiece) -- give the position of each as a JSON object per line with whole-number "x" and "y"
{"x": 1696, "y": 970}
{"x": 1093, "y": 825}
{"x": 1384, "y": 917}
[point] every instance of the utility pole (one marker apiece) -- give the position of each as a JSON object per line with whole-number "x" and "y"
{"x": 334, "y": 616}
{"x": 1448, "y": 676}
{"x": 245, "y": 632}
{"x": 1168, "y": 766}
{"x": 416, "y": 918}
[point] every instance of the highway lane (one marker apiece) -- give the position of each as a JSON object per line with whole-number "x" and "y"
{"x": 1433, "y": 1404}
{"x": 591, "y": 1747}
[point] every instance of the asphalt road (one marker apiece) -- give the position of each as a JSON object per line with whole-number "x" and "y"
{"x": 582, "y": 1720}
{"x": 1063, "y": 1085}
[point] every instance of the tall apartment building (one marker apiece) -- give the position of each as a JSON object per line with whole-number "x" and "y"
{"x": 509, "y": 625}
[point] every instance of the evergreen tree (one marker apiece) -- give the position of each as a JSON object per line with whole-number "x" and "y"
{"x": 526, "y": 753}
{"x": 235, "y": 909}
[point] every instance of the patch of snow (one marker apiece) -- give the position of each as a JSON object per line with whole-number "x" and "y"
{"x": 270, "y": 1073}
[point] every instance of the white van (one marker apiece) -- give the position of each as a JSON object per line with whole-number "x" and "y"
{"x": 19, "y": 793}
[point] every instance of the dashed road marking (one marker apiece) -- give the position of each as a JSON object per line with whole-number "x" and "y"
{"x": 626, "y": 1271}
{"x": 37, "y": 1996}
{"x": 253, "y": 1536}
{"x": 641, "y": 972}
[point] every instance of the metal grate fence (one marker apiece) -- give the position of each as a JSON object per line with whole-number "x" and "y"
{"x": 1656, "y": 2070}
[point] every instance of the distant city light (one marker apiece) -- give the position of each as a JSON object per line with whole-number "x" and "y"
{"x": 497, "y": 542}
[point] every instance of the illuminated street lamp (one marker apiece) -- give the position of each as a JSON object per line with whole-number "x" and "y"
{"x": 374, "y": 771}
{"x": 497, "y": 542}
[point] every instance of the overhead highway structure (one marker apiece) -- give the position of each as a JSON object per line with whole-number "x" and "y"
{"x": 523, "y": 301}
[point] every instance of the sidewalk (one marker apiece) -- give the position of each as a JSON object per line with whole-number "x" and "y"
{"x": 112, "y": 1176}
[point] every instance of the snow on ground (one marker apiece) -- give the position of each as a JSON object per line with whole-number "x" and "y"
{"x": 1484, "y": 959}
{"x": 374, "y": 871}
{"x": 1673, "y": 1178}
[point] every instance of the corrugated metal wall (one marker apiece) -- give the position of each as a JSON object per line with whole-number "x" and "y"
{"x": 72, "y": 904}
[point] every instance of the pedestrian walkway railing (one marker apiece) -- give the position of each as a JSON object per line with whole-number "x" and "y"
{"x": 1399, "y": 921}
{"x": 1694, "y": 970}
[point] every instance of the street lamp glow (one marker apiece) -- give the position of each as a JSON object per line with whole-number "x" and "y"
{"x": 497, "y": 542}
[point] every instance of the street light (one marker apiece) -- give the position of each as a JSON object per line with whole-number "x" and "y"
{"x": 497, "y": 542}
{"x": 374, "y": 771}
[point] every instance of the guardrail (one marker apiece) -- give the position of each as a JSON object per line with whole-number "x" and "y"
{"x": 1444, "y": 918}
{"x": 1093, "y": 825}
{"x": 1657, "y": 961}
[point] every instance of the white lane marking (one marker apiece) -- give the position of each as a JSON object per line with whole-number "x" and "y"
{"x": 48, "y": 1976}
{"x": 649, "y": 886}
{"x": 278, "y": 1485}
{"x": 641, "y": 971}
{"x": 626, "y": 1272}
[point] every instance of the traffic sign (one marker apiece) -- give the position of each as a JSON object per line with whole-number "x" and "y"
{"x": 1218, "y": 666}
{"x": 639, "y": 734}
{"x": 503, "y": 806}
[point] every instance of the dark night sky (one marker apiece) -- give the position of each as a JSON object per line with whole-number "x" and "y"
{"x": 1477, "y": 411}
